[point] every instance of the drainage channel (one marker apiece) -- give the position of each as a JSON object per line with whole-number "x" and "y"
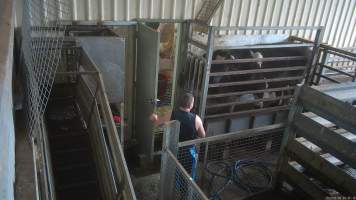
{"x": 73, "y": 163}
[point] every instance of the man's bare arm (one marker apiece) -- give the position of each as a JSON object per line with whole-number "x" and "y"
{"x": 159, "y": 120}
{"x": 199, "y": 126}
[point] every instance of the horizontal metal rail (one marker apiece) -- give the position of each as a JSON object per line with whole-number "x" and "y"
{"x": 247, "y": 102}
{"x": 221, "y": 28}
{"x": 247, "y": 112}
{"x": 235, "y": 135}
{"x": 269, "y": 80}
{"x": 265, "y": 46}
{"x": 287, "y": 88}
{"x": 267, "y": 59}
{"x": 254, "y": 71}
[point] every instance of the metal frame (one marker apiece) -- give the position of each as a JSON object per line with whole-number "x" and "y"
{"x": 114, "y": 178}
{"x": 172, "y": 157}
{"x": 201, "y": 86}
{"x": 330, "y": 64}
{"x": 314, "y": 145}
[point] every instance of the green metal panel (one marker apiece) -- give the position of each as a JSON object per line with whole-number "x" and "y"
{"x": 146, "y": 85}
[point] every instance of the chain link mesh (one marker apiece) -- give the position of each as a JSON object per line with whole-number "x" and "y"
{"x": 182, "y": 187}
{"x": 215, "y": 159}
{"x": 43, "y": 33}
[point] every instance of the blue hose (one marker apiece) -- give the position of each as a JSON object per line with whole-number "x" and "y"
{"x": 232, "y": 174}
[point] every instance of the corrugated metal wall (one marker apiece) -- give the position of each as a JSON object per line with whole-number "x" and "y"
{"x": 338, "y": 16}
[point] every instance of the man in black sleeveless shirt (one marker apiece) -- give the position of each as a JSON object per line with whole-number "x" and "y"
{"x": 191, "y": 127}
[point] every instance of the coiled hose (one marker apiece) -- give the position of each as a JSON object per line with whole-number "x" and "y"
{"x": 250, "y": 175}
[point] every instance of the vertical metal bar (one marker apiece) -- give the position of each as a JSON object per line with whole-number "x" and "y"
{"x": 122, "y": 125}
{"x": 313, "y": 60}
{"x": 206, "y": 153}
{"x": 221, "y": 14}
{"x": 205, "y": 83}
{"x": 289, "y": 133}
{"x": 138, "y": 7}
{"x": 170, "y": 142}
{"x": 173, "y": 10}
{"x": 321, "y": 65}
{"x": 354, "y": 77}
{"x": 150, "y": 9}
{"x": 75, "y": 10}
{"x": 34, "y": 156}
{"x": 193, "y": 9}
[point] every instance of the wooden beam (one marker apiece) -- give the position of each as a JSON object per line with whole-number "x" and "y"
{"x": 340, "y": 113}
{"x": 334, "y": 143}
{"x": 303, "y": 182}
{"x": 322, "y": 169}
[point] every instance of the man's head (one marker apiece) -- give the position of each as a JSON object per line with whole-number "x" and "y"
{"x": 187, "y": 101}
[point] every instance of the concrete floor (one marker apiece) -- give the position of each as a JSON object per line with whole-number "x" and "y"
{"x": 24, "y": 181}
{"x": 147, "y": 187}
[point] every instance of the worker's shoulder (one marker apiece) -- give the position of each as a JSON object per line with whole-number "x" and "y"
{"x": 197, "y": 118}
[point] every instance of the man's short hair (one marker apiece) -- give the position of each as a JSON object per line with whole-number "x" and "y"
{"x": 186, "y": 100}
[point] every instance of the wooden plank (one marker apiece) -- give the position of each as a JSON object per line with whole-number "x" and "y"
{"x": 332, "y": 109}
{"x": 250, "y": 82}
{"x": 317, "y": 149}
{"x": 322, "y": 169}
{"x": 303, "y": 182}
{"x": 254, "y": 71}
{"x": 326, "y": 139}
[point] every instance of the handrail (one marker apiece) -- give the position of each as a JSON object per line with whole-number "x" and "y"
{"x": 118, "y": 162}
{"x": 333, "y": 59}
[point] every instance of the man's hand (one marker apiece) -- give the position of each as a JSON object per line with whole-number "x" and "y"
{"x": 153, "y": 117}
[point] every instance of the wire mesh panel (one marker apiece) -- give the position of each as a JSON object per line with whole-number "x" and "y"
{"x": 235, "y": 165}
{"x": 42, "y": 34}
{"x": 228, "y": 166}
